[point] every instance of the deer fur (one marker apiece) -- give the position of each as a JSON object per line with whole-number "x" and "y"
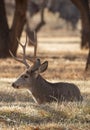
{"x": 44, "y": 91}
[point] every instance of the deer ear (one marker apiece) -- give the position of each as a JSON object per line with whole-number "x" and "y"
{"x": 43, "y": 67}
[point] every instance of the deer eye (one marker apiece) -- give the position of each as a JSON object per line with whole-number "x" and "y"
{"x": 27, "y": 72}
{"x": 24, "y": 76}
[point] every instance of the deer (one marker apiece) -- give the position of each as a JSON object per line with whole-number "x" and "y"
{"x": 42, "y": 90}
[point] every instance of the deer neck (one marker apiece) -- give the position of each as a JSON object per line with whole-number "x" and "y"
{"x": 39, "y": 84}
{"x": 40, "y": 89}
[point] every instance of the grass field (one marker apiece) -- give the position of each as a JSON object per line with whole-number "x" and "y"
{"x": 60, "y": 45}
{"x": 18, "y": 111}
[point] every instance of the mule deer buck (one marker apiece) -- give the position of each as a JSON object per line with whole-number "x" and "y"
{"x": 42, "y": 90}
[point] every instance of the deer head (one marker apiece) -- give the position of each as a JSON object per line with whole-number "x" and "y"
{"x": 26, "y": 79}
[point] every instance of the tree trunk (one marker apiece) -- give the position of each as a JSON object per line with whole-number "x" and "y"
{"x": 88, "y": 61}
{"x": 18, "y": 24}
{"x": 8, "y": 36}
{"x": 85, "y": 26}
{"x": 83, "y": 7}
{"x": 4, "y": 32}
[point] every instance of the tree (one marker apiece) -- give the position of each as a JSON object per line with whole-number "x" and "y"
{"x": 8, "y": 35}
{"x": 83, "y": 6}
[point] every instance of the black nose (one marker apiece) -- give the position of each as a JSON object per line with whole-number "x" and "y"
{"x": 13, "y": 84}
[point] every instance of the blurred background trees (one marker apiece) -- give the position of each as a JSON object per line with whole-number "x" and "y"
{"x": 24, "y": 10}
{"x": 8, "y": 34}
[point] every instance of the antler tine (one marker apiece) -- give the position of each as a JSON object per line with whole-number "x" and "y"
{"x": 31, "y": 41}
{"x": 35, "y": 37}
{"x": 24, "y": 54}
{"x": 26, "y": 40}
{"x": 35, "y": 40}
{"x": 23, "y": 47}
{"x": 17, "y": 59}
{"x": 34, "y": 43}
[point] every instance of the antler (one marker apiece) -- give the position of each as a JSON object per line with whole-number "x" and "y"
{"x": 24, "y": 54}
{"x": 34, "y": 43}
{"x": 32, "y": 38}
{"x": 35, "y": 39}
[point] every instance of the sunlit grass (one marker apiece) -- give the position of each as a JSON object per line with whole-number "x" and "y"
{"x": 18, "y": 110}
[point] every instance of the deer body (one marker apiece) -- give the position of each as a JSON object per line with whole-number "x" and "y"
{"x": 42, "y": 90}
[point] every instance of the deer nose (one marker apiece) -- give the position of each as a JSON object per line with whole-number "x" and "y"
{"x": 13, "y": 84}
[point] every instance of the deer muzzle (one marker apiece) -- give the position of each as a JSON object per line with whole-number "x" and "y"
{"x": 14, "y": 85}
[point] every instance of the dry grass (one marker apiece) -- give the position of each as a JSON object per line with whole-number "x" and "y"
{"x": 18, "y": 111}
{"x": 62, "y": 65}
{"x": 66, "y": 62}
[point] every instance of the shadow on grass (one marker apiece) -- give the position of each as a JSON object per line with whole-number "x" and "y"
{"x": 6, "y": 96}
{"x": 42, "y": 114}
{"x": 14, "y": 97}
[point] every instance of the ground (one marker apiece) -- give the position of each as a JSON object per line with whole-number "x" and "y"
{"x": 66, "y": 59}
{"x": 61, "y": 48}
{"x": 66, "y": 63}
